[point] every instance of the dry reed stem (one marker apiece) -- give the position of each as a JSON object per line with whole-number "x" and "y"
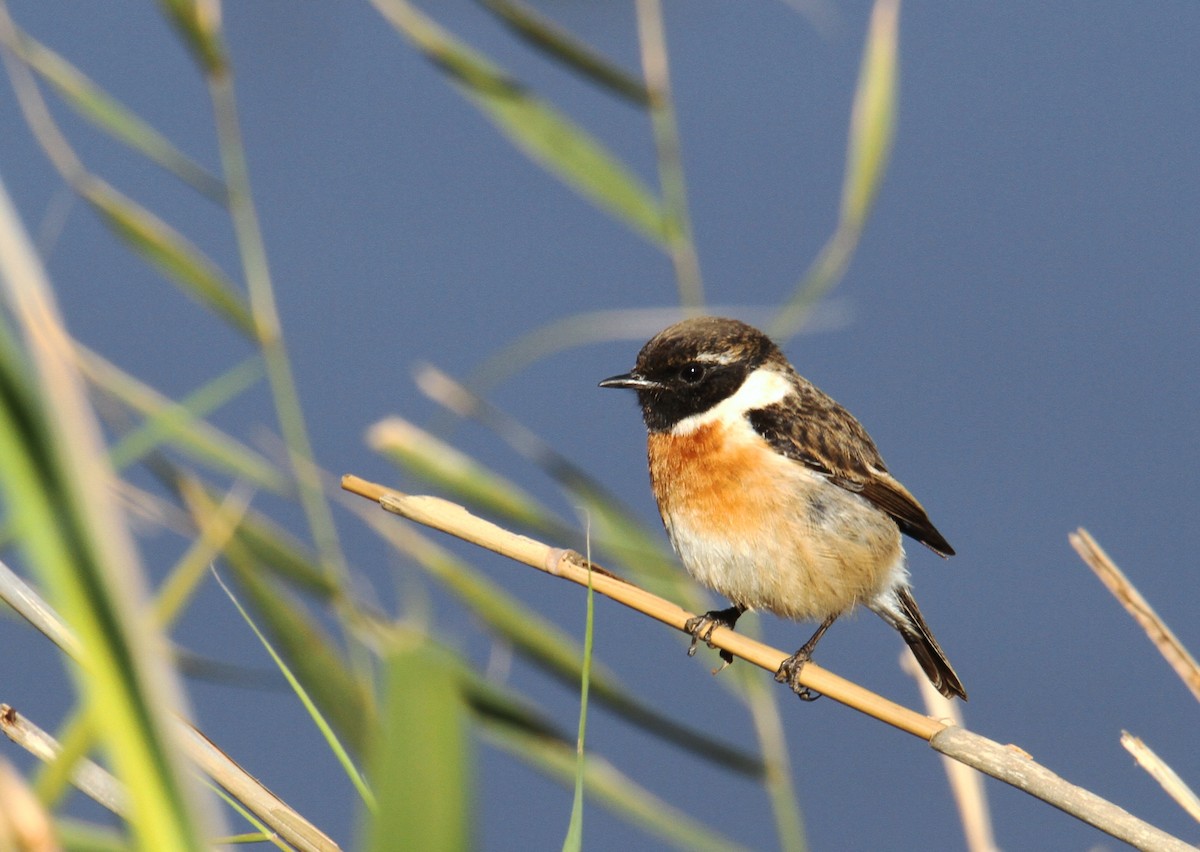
{"x": 454, "y": 519}
{"x": 93, "y": 780}
{"x": 1162, "y": 773}
{"x": 966, "y": 785}
{"x": 1124, "y": 591}
{"x": 1006, "y": 763}
{"x": 1013, "y": 766}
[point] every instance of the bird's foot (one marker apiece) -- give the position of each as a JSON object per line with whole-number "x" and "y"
{"x": 789, "y": 673}
{"x": 789, "y": 669}
{"x": 702, "y": 626}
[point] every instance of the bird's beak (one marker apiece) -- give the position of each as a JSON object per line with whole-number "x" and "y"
{"x": 628, "y": 380}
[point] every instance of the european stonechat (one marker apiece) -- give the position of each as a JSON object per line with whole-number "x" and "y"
{"x": 773, "y": 494}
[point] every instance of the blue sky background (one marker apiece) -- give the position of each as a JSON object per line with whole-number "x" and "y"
{"x": 1018, "y": 332}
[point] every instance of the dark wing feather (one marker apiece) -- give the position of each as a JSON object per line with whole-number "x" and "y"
{"x": 821, "y": 435}
{"x": 893, "y": 498}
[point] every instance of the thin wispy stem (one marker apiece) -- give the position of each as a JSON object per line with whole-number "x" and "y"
{"x": 268, "y": 327}
{"x": 656, "y": 70}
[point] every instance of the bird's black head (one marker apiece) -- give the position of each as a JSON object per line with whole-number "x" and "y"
{"x": 692, "y": 366}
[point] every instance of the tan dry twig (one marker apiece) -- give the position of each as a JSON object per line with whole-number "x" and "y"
{"x": 1006, "y": 763}
{"x": 96, "y": 782}
{"x": 1162, "y": 773}
{"x": 1124, "y": 591}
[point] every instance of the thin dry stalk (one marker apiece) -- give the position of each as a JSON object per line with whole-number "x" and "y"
{"x": 966, "y": 785}
{"x": 1162, "y": 773}
{"x": 93, "y": 780}
{"x": 655, "y": 67}
{"x": 1007, "y": 763}
{"x": 1013, "y": 766}
{"x": 1124, "y": 591}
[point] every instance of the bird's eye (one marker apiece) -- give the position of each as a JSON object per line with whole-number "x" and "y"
{"x": 692, "y": 373}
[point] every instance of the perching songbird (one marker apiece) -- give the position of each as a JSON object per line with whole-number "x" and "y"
{"x": 772, "y": 494}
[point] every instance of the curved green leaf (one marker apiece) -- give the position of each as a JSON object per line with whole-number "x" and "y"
{"x": 106, "y": 112}
{"x": 545, "y": 135}
{"x": 171, "y": 252}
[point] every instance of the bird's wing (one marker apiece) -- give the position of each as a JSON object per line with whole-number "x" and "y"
{"x": 835, "y": 445}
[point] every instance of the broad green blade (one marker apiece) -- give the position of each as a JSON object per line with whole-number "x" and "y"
{"x": 109, "y": 114}
{"x": 172, "y": 253}
{"x": 560, "y": 45}
{"x": 546, "y": 136}
{"x": 421, "y": 769}
{"x": 57, "y": 484}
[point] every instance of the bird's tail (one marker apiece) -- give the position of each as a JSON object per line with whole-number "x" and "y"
{"x": 911, "y": 625}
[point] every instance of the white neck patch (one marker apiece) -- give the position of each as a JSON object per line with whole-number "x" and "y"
{"x": 761, "y": 388}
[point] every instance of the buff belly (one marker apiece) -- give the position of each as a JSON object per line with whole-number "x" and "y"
{"x": 768, "y": 533}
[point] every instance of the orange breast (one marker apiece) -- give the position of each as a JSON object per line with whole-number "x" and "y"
{"x": 764, "y": 531}
{"x": 719, "y": 480}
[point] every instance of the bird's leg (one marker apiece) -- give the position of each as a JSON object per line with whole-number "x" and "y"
{"x": 789, "y": 669}
{"x": 702, "y": 626}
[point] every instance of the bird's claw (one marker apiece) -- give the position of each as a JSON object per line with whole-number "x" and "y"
{"x": 702, "y": 626}
{"x": 789, "y": 673}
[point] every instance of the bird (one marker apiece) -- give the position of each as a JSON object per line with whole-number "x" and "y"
{"x": 775, "y": 496}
